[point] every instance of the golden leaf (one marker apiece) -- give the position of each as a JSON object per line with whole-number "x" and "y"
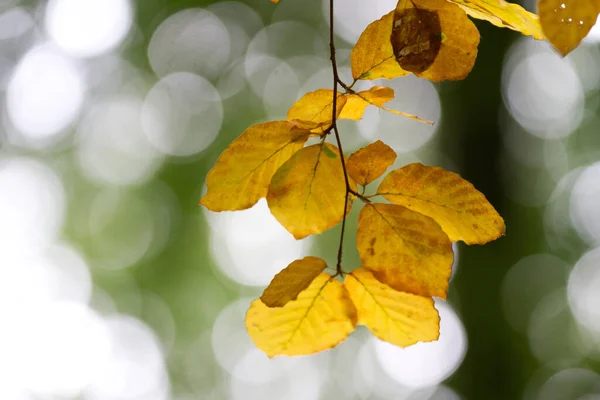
{"x": 434, "y": 39}
{"x": 357, "y": 103}
{"x": 373, "y": 57}
{"x": 369, "y": 163}
{"x": 308, "y": 125}
{"x": 404, "y": 249}
{"x": 503, "y": 14}
{"x": 242, "y": 173}
{"x": 377, "y": 96}
{"x": 397, "y": 317}
{"x": 462, "y": 211}
{"x": 308, "y": 191}
{"x": 316, "y": 107}
{"x": 350, "y": 106}
{"x": 292, "y": 280}
{"x": 567, "y": 22}
{"x": 319, "y": 319}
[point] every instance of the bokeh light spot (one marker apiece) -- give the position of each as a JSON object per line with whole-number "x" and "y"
{"x": 426, "y": 364}
{"x": 135, "y": 365}
{"x": 250, "y": 246}
{"x": 541, "y": 90}
{"x": 45, "y": 94}
{"x": 87, "y": 28}
{"x": 182, "y": 114}
{"x": 112, "y": 146}
{"x": 583, "y": 293}
{"x": 32, "y": 206}
{"x": 193, "y": 40}
{"x": 584, "y": 209}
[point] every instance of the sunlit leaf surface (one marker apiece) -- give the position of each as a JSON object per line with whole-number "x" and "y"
{"x": 462, "y": 211}
{"x": 369, "y": 163}
{"x": 242, "y": 173}
{"x": 319, "y": 319}
{"x": 396, "y": 317}
{"x": 404, "y": 249}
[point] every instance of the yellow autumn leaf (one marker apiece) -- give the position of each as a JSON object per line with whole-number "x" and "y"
{"x": 242, "y": 173}
{"x": 316, "y": 107}
{"x": 567, "y": 22}
{"x": 292, "y": 280}
{"x": 504, "y": 15}
{"x": 308, "y": 125}
{"x": 308, "y": 191}
{"x": 434, "y": 39}
{"x": 404, "y": 249}
{"x": 462, "y": 211}
{"x": 373, "y": 57}
{"x": 376, "y": 96}
{"x": 369, "y": 163}
{"x": 356, "y": 103}
{"x": 350, "y": 106}
{"x": 319, "y": 319}
{"x": 397, "y": 317}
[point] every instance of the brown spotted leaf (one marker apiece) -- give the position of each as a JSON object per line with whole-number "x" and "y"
{"x": 373, "y": 57}
{"x": 461, "y": 210}
{"x": 567, "y": 22}
{"x": 434, "y": 39}
{"x": 416, "y": 36}
{"x": 404, "y": 249}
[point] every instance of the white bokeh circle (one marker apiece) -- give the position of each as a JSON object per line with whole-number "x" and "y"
{"x": 584, "y": 209}
{"x": 112, "y": 147}
{"x": 135, "y": 366}
{"x": 541, "y": 90}
{"x": 32, "y": 206}
{"x": 45, "y": 94}
{"x": 182, "y": 114}
{"x": 193, "y": 40}
{"x": 583, "y": 293}
{"x": 426, "y": 364}
{"x": 88, "y": 28}
{"x": 250, "y": 246}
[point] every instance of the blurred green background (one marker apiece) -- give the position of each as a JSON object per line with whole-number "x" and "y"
{"x": 115, "y": 284}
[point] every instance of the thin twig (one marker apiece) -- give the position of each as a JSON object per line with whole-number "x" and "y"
{"x": 336, "y": 81}
{"x": 360, "y": 195}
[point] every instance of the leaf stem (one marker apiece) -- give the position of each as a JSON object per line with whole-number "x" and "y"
{"x": 346, "y": 87}
{"x": 336, "y": 81}
{"x": 360, "y": 195}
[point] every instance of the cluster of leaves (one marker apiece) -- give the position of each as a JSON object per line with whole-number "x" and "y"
{"x": 564, "y": 23}
{"x": 405, "y": 244}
